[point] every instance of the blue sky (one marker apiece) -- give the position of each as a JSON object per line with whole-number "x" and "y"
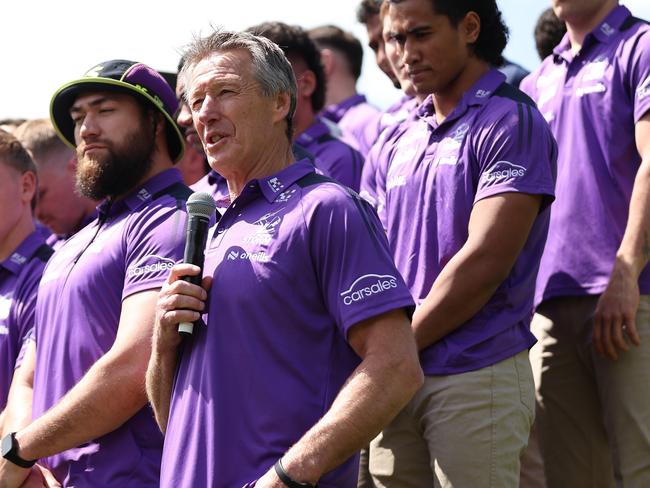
{"x": 47, "y": 43}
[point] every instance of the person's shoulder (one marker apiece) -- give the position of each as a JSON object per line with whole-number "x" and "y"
{"x": 320, "y": 191}
{"x": 634, "y": 26}
{"x": 507, "y": 97}
{"x": 510, "y": 113}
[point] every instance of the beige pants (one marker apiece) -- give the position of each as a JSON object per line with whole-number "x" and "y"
{"x": 593, "y": 413}
{"x": 465, "y": 431}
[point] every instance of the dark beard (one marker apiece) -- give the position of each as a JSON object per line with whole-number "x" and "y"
{"x": 122, "y": 169}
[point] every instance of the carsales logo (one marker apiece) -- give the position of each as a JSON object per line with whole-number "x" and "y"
{"x": 503, "y": 170}
{"x": 368, "y": 285}
{"x": 150, "y": 264}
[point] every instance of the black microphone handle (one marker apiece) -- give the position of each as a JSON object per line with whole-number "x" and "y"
{"x": 196, "y": 238}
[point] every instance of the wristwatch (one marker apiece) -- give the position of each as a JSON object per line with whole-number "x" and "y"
{"x": 10, "y": 451}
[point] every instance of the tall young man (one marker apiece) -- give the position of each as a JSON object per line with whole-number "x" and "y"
{"x": 593, "y": 306}
{"x": 468, "y": 189}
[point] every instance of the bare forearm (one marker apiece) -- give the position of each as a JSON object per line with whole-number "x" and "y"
{"x": 160, "y": 379}
{"x": 634, "y": 251}
{"x": 463, "y": 287}
{"x": 18, "y": 413}
{"x": 374, "y": 394}
{"x": 106, "y": 397}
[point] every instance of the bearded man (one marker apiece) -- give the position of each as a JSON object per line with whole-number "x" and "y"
{"x": 91, "y": 423}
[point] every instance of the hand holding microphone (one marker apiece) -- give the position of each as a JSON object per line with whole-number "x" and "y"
{"x": 200, "y": 209}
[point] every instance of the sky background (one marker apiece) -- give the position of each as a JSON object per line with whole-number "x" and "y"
{"x": 47, "y": 43}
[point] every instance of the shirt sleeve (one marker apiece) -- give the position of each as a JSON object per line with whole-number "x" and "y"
{"x": 516, "y": 152}
{"x": 640, "y": 76}
{"x": 154, "y": 242}
{"x": 22, "y": 315}
{"x": 29, "y": 337}
{"x": 356, "y": 273}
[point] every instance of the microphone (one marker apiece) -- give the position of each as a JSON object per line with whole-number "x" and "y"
{"x": 200, "y": 209}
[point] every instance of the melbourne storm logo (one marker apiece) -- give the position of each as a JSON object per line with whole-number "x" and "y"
{"x": 503, "y": 171}
{"x": 366, "y": 286}
{"x": 150, "y": 265}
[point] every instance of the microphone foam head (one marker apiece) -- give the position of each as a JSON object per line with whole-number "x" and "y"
{"x": 201, "y": 204}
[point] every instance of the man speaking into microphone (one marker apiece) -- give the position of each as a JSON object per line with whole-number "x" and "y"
{"x": 95, "y": 307}
{"x": 306, "y": 350}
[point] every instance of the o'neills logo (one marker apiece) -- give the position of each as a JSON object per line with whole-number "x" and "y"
{"x": 503, "y": 170}
{"x": 150, "y": 264}
{"x": 367, "y": 285}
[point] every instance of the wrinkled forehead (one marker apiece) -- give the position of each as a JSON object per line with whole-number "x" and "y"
{"x": 230, "y": 64}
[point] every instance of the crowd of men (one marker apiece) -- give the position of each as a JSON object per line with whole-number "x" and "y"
{"x": 452, "y": 292}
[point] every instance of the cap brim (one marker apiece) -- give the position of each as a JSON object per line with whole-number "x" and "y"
{"x": 65, "y": 96}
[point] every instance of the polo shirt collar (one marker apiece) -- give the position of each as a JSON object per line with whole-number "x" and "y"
{"x": 142, "y": 194}
{"x": 23, "y": 253}
{"x": 312, "y": 133}
{"x": 603, "y": 33}
{"x": 277, "y": 183}
{"x": 335, "y": 112}
{"x": 477, "y": 95}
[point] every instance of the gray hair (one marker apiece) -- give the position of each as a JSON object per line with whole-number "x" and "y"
{"x": 271, "y": 68}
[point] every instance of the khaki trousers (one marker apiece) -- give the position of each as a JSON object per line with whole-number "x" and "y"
{"x": 466, "y": 431}
{"x": 593, "y": 414}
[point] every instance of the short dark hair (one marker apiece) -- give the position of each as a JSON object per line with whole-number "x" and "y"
{"x": 549, "y": 31}
{"x": 333, "y": 37}
{"x": 368, "y": 9}
{"x": 493, "y": 37}
{"x": 295, "y": 43}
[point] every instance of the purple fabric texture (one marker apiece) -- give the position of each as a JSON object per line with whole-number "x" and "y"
{"x": 20, "y": 274}
{"x": 353, "y": 116}
{"x": 333, "y": 157}
{"x": 592, "y": 102}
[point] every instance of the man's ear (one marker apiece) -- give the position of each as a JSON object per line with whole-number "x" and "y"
{"x": 306, "y": 84}
{"x": 470, "y": 27}
{"x": 328, "y": 60}
{"x": 282, "y": 106}
{"x": 28, "y": 185}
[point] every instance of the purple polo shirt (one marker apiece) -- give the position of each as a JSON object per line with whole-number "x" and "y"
{"x": 19, "y": 277}
{"x": 217, "y": 186}
{"x": 494, "y": 142}
{"x": 55, "y": 241}
{"x": 381, "y": 131}
{"x": 396, "y": 113}
{"x": 128, "y": 249}
{"x": 592, "y": 101}
{"x": 297, "y": 260}
{"x": 353, "y": 115}
{"x": 332, "y": 156}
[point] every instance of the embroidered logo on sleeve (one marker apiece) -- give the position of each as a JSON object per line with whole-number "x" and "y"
{"x": 366, "y": 286}
{"x": 644, "y": 89}
{"x": 502, "y": 171}
{"x": 151, "y": 264}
